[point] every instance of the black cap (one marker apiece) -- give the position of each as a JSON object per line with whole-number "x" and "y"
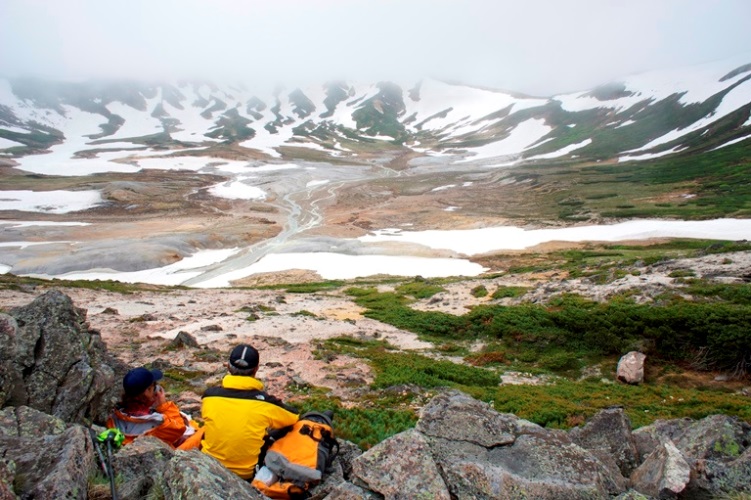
{"x": 138, "y": 380}
{"x": 244, "y": 357}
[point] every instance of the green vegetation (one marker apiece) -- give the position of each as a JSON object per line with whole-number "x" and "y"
{"x": 419, "y": 289}
{"x": 479, "y": 291}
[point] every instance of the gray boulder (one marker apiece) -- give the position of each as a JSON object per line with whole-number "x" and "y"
{"x": 716, "y": 437}
{"x": 456, "y": 416}
{"x": 400, "y": 467}
{"x": 44, "y": 458}
{"x": 535, "y": 466}
{"x": 53, "y": 363}
{"x": 193, "y": 474}
{"x": 7, "y": 473}
{"x": 139, "y": 465}
{"x": 348, "y": 491}
{"x": 664, "y": 474}
{"x": 648, "y": 438}
{"x": 716, "y": 479}
{"x": 608, "y": 436}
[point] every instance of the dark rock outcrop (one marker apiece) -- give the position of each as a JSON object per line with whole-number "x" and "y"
{"x": 44, "y": 458}
{"x": 51, "y": 361}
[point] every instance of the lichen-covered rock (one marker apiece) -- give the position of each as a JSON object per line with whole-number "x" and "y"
{"x": 648, "y": 438}
{"x": 50, "y": 466}
{"x": 28, "y": 422}
{"x": 7, "y": 473}
{"x": 193, "y": 474}
{"x": 456, "y": 416}
{"x": 631, "y": 368}
{"x": 664, "y": 474}
{"x": 535, "y": 466}
{"x": 348, "y": 491}
{"x": 401, "y": 467}
{"x": 608, "y": 436}
{"x": 139, "y": 466}
{"x": 53, "y": 363}
{"x": 632, "y": 495}
{"x": 717, "y": 437}
{"x": 720, "y": 479}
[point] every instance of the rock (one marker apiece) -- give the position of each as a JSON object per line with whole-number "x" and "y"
{"x": 111, "y": 310}
{"x": 348, "y": 491}
{"x": 7, "y": 472}
{"x": 649, "y": 437}
{"x": 717, "y": 437}
{"x": 456, "y": 416}
{"x": 608, "y": 436}
{"x": 400, "y": 467}
{"x": 714, "y": 479}
{"x": 631, "y": 368}
{"x": 182, "y": 340}
{"x": 211, "y": 328}
{"x": 535, "y": 466}
{"x": 140, "y": 465}
{"x": 664, "y": 474}
{"x": 631, "y": 495}
{"x": 53, "y": 363}
{"x": 38, "y": 465}
{"x": 193, "y": 474}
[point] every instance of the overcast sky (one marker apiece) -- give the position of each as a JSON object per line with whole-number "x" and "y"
{"x": 539, "y": 47}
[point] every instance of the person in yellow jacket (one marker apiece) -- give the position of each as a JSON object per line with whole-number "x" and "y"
{"x": 143, "y": 410}
{"x": 237, "y": 414}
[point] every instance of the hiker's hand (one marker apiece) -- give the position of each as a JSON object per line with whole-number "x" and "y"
{"x": 159, "y": 396}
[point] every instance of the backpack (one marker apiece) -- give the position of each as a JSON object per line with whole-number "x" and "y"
{"x": 296, "y": 461}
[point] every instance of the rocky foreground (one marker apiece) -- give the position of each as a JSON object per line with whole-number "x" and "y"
{"x": 58, "y": 377}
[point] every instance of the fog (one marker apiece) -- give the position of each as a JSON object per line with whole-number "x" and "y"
{"x": 536, "y": 47}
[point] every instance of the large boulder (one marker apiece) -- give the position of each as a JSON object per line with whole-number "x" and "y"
{"x": 456, "y": 416}
{"x": 631, "y": 368}
{"x": 664, "y": 474}
{"x": 716, "y": 448}
{"x": 193, "y": 474}
{"x": 51, "y": 361}
{"x": 401, "y": 467}
{"x": 43, "y": 457}
{"x": 139, "y": 466}
{"x": 608, "y": 436}
{"x": 535, "y": 466}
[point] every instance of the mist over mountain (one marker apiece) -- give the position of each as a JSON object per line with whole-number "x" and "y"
{"x": 642, "y": 116}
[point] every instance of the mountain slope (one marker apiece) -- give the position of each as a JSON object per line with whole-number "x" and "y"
{"x": 645, "y": 116}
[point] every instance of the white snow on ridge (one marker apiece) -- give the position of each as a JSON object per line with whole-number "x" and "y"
{"x": 467, "y": 104}
{"x": 52, "y": 202}
{"x": 696, "y": 83}
{"x": 7, "y": 143}
{"x": 736, "y": 98}
{"x": 647, "y": 156}
{"x": 562, "y": 151}
{"x": 521, "y": 137}
{"x": 734, "y": 141}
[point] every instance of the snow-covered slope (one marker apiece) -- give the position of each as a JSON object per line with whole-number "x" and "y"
{"x": 117, "y": 123}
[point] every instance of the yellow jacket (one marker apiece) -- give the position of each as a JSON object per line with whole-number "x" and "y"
{"x": 236, "y": 416}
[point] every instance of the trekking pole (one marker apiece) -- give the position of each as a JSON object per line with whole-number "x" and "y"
{"x": 109, "y": 440}
{"x": 102, "y": 461}
{"x": 110, "y": 437}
